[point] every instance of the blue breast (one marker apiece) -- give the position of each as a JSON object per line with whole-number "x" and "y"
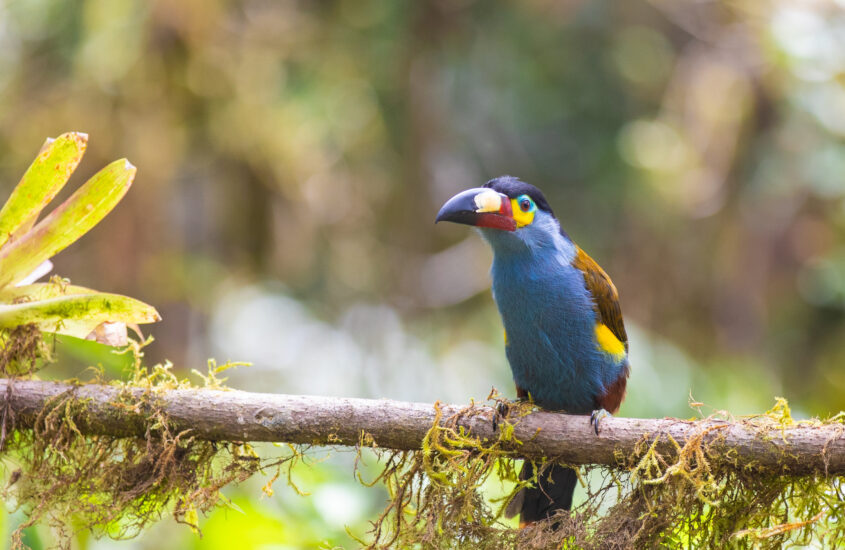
{"x": 550, "y": 323}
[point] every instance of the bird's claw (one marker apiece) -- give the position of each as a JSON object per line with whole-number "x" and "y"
{"x": 500, "y": 413}
{"x": 596, "y": 418}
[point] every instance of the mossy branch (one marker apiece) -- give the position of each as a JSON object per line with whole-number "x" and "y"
{"x": 794, "y": 448}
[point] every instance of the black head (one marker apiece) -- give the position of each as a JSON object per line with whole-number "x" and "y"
{"x": 514, "y": 187}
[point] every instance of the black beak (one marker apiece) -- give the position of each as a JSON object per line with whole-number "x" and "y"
{"x": 461, "y": 208}
{"x": 481, "y": 207}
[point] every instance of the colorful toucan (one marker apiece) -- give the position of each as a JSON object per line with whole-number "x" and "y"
{"x": 564, "y": 336}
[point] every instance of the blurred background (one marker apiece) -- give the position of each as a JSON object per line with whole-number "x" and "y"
{"x": 292, "y": 157}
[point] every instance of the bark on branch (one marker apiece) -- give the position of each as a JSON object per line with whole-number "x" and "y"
{"x": 242, "y": 416}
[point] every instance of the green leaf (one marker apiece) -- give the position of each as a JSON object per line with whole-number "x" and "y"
{"x": 40, "y": 291}
{"x": 67, "y": 223}
{"x": 77, "y": 314}
{"x": 47, "y": 174}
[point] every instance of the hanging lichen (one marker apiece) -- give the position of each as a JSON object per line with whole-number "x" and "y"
{"x": 693, "y": 498}
{"x": 23, "y": 350}
{"x": 117, "y": 486}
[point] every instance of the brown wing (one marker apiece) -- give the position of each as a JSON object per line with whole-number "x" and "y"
{"x": 604, "y": 294}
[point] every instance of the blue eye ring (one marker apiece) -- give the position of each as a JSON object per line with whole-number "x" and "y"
{"x": 526, "y": 204}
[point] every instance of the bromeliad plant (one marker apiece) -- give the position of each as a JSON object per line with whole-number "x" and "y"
{"x": 26, "y": 308}
{"x": 111, "y": 486}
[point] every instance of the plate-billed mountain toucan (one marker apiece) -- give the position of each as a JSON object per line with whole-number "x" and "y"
{"x": 564, "y": 336}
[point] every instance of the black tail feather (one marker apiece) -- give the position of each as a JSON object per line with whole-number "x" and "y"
{"x": 556, "y": 485}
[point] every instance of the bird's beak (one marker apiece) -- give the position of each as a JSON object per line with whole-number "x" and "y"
{"x": 481, "y": 207}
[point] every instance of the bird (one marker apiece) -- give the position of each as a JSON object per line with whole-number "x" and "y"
{"x": 565, "y": 339}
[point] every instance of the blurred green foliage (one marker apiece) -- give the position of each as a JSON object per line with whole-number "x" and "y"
{"x": 292, "y": 157}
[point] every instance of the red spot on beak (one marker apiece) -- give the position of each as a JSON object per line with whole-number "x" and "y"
{"x": 503, "y": 219}
{"x": 496, "y": 221}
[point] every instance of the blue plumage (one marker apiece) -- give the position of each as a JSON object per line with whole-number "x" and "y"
{"x": 565, "y": 339}
{"x": 549, "y": 318}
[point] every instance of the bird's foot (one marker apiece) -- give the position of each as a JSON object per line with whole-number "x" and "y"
{"x": 502, "y": 410}
{"x": 597, "y": 417}
{"x": 500, "y": 413}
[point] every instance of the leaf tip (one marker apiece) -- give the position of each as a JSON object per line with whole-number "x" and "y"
{"x": 81, "y": 138}
{"x": 129, "y": 167}
{"x": 47, "y": 143}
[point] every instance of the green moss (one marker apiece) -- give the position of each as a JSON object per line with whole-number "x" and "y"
{"x": 693, "y": 497}
{"x": 113, "y": 486}
{"x": 23, "y": 350}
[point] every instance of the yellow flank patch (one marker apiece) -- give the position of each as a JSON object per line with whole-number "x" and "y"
{"x": 522, "y": 218}
{"x": 608, "y": 342}
{"x": 506, "y": 338}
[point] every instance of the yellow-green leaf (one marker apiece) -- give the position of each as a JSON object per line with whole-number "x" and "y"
{"x": 77, "y": 314}
{"x": 47, "y": 174}
{"x": 40, "y": 291}
{"x": 64, "y": 225}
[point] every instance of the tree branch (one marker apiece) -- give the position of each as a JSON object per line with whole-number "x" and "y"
{"x": 799, "y": 449}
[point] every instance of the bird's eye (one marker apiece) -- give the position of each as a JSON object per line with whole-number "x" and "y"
{"x": 525, "y": 204}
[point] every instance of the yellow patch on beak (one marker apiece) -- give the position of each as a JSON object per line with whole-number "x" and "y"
{"x": 488, "y": 201}
{"x": 522, "y": 218}
{"x": 608, "y": 342}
